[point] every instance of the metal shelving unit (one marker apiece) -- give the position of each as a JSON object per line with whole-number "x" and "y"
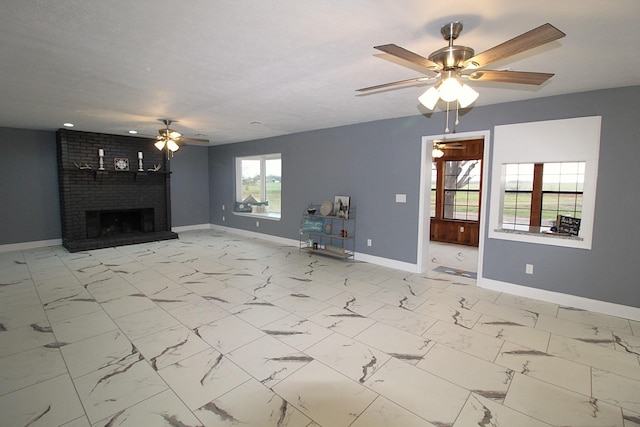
{"x": 328, "y": 235}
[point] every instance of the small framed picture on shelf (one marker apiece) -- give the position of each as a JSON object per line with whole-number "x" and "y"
{"x": 341, "y": 207}
{"x": 121, "y": 164}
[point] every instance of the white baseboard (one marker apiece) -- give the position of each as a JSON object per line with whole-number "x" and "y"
{"x": 30, "y": 245}
{"x": 386, "y": 262}
{"x": 603, "y": 307}
{"x": 253, "y": 234}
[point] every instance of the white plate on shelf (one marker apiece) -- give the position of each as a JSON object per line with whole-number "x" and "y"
{"x": 325, "y": 208}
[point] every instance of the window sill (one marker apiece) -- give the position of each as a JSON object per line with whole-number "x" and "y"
{"x": 538, "y": 232}
{"x": 535, "y": 235}
{"x": 269, "y": 216}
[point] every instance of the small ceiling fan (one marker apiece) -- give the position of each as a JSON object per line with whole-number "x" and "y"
{"x": 450, "y": 145}
{"x": 172, "y": 139}
{"x": 440, "y": 146}
{"x": 449, "y": 64}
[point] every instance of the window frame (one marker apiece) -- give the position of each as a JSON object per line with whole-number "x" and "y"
{"x": 537, "y": 194}
{"x": 553, "y": 141}
{"x": 457, "y": 191}
{"x": 437, "y": 197}
{"x": 263, "y": 158}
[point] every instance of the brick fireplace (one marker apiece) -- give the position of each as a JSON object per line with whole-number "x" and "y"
{"x": 114, "y": 206}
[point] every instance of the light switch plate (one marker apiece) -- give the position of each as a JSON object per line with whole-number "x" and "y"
{"x": 401, "y": 198}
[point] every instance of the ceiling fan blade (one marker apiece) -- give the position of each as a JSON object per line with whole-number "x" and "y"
{"x": 537, "y": 37}
{"x": 522, "y": 77}
{"x": 407, "y": 55}
{"x": 401, "y": 82}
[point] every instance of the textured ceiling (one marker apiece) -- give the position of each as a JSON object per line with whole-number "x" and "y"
{"x": 239, "y": 70}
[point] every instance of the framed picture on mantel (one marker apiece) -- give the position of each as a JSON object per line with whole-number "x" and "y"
{"x": 341, "y": 207}
{"x": 120, "y": 164}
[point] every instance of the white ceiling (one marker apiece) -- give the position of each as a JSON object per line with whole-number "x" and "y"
{"x": 218, "y": 67}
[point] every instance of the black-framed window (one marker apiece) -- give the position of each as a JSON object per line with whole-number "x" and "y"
{"x": 536, "y": 193}
{"x": 562, "y": 191}
{"x": 462, "y": 189}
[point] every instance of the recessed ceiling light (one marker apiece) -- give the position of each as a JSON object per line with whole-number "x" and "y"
{"x": 69, "y": 125}
{"x": 133, "y": 132}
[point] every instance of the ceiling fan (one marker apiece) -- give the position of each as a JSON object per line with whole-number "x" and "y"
{"x": 440, "y": 146}
{"x": 453, "y": 62}
{"x": 172, "y": 139}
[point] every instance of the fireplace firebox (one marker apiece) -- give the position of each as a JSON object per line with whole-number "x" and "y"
{"x": 114, "y": 222}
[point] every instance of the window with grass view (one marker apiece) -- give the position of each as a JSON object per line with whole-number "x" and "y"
{"x": 536, "y": 193}
{"x": 258, "y": 184}
{"x": 455, "y": 189}
{"x": 462, "y": 189}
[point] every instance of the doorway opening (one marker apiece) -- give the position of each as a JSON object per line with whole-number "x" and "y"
{"x": 456, "y": 190}
{"x": 454, "y": 234}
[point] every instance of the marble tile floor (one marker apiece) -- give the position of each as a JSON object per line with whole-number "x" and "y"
{"x": 215, "y": 329}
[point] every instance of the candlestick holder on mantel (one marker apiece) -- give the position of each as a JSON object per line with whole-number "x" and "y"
{"x": 140, "y": 167}
{"x": 100, "y": 159}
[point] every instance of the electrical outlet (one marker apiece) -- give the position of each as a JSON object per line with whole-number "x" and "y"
{"x": 222, "y": 218}
{"x": 222, "y": 207}
{"x": 528, "y": 269}
{"x": 368, "y": 242}
{"x": 257, "y": 223}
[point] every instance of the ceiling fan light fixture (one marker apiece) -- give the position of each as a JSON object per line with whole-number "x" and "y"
{"x": 172, "y": 145}
{"x": 437, "y": 152}
{"x": 159, "y": 144}
{"x": 429, "y": 98}
{"x": 467, "y": 96}
{"x": 450, "y": 89}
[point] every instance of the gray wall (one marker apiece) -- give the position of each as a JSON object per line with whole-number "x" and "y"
{"x": 190, "y": 186}
{"x": 29, "y": 203}
{"x": 371, "y": 162}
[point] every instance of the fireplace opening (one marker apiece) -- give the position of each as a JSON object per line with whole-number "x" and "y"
{"x": 109, "y": 223}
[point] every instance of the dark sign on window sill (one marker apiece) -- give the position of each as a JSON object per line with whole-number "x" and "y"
{"x": 569, "y": 225}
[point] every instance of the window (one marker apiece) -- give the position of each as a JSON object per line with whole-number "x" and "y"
{"x": 258, "y": 185}
{"x": 536, "y": 193}
{"x": 455, "y": 189}
{"x": 462, "y": 189}
{"x": 562, "y": 191}
{"x": 516, "y": 207}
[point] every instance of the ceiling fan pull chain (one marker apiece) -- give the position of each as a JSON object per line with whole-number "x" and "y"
{"x": 457, "y": 114}
{"x": 446, "y": 129}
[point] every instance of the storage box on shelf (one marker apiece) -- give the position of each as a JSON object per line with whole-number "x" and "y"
{"x": 330, "y": 234}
